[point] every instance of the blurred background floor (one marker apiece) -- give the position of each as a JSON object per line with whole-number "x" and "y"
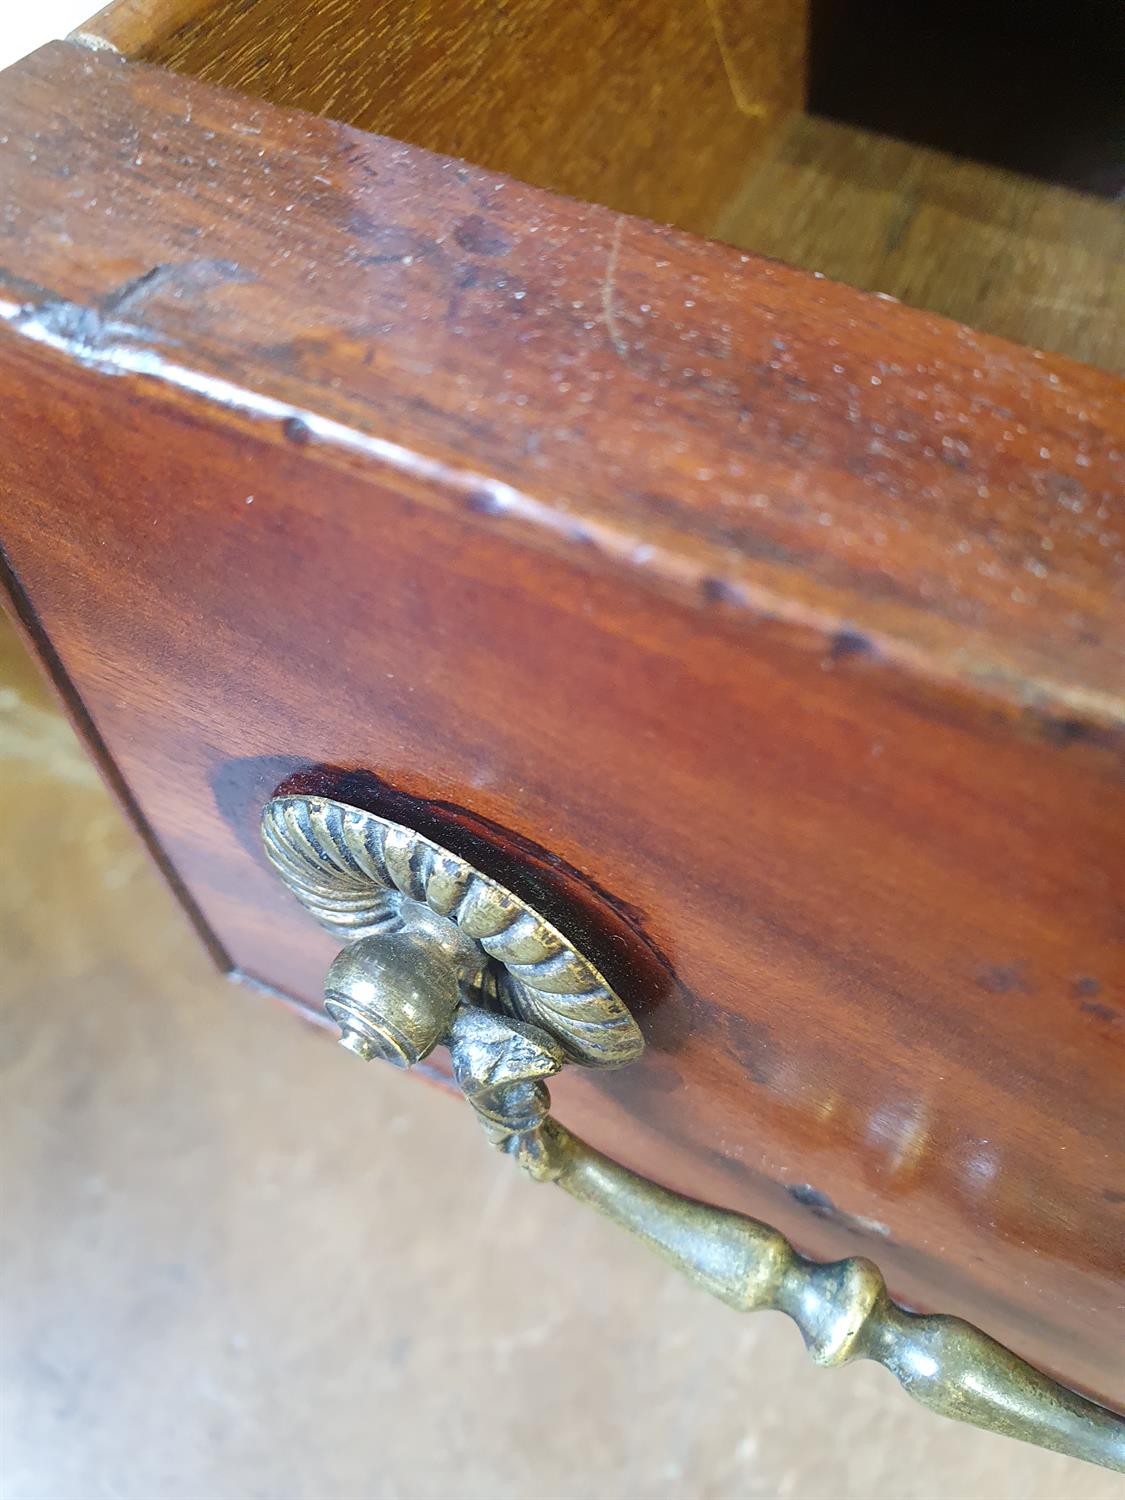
{"x": 239, "y": 1266}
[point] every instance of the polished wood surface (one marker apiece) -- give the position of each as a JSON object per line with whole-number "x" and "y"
{"x": 653, "y": 109}
{"x": 568, "y": 531}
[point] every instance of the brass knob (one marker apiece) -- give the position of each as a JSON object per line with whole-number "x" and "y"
{"x": 439, "y": 953}
{"x": 394, "y": 996}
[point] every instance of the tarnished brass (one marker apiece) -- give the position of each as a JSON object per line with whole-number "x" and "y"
{"x": 364, "y": 877}
{"x": 440, "y": 954}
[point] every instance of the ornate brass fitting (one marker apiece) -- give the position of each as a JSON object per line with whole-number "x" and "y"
{"x": 437, "y": 953}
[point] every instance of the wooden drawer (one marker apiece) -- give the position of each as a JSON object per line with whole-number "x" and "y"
{"x": 772, "y": 627}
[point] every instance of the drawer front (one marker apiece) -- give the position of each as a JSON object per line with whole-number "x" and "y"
{"x": 287, "y": 512}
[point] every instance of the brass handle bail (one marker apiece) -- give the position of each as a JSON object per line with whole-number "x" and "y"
{"x": 437, "y": 953}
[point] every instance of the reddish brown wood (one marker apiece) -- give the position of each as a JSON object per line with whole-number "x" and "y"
{"x": 786, "y": 617}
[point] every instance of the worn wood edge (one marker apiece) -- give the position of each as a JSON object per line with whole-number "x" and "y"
{"x": 693, "y": 575}
{"x": 342, "y": 458}
{"x": 935, "y": 654}
{"x": 135, "y": 28}
{"x": 21, "y": 611}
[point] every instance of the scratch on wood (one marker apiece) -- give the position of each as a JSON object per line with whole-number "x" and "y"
{"x": 124, "y": 351}
{"x": 98, "y": 324}
{"x": 746, "y": 106}
{"x": 609, "y": 316}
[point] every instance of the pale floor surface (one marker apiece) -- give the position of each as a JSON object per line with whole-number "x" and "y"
{"x": 238, "y": 1265}
{"x": 25, "y": 27}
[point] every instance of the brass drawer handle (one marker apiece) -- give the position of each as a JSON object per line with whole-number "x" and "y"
{"x": 437, "y": 953}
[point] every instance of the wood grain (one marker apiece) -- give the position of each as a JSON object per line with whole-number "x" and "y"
{"x": 653, "y": 109}
{"x": 1040, "y": 265}
{"x": 679, "y": 113}
{"x": 567, "y": 529}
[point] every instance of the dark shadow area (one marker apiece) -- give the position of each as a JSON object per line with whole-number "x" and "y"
{"x": 1036, "y": 86}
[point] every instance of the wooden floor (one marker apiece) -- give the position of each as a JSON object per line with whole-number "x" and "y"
{"x": 1006, "y": 254}
{"x": 239, "y": 1266}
